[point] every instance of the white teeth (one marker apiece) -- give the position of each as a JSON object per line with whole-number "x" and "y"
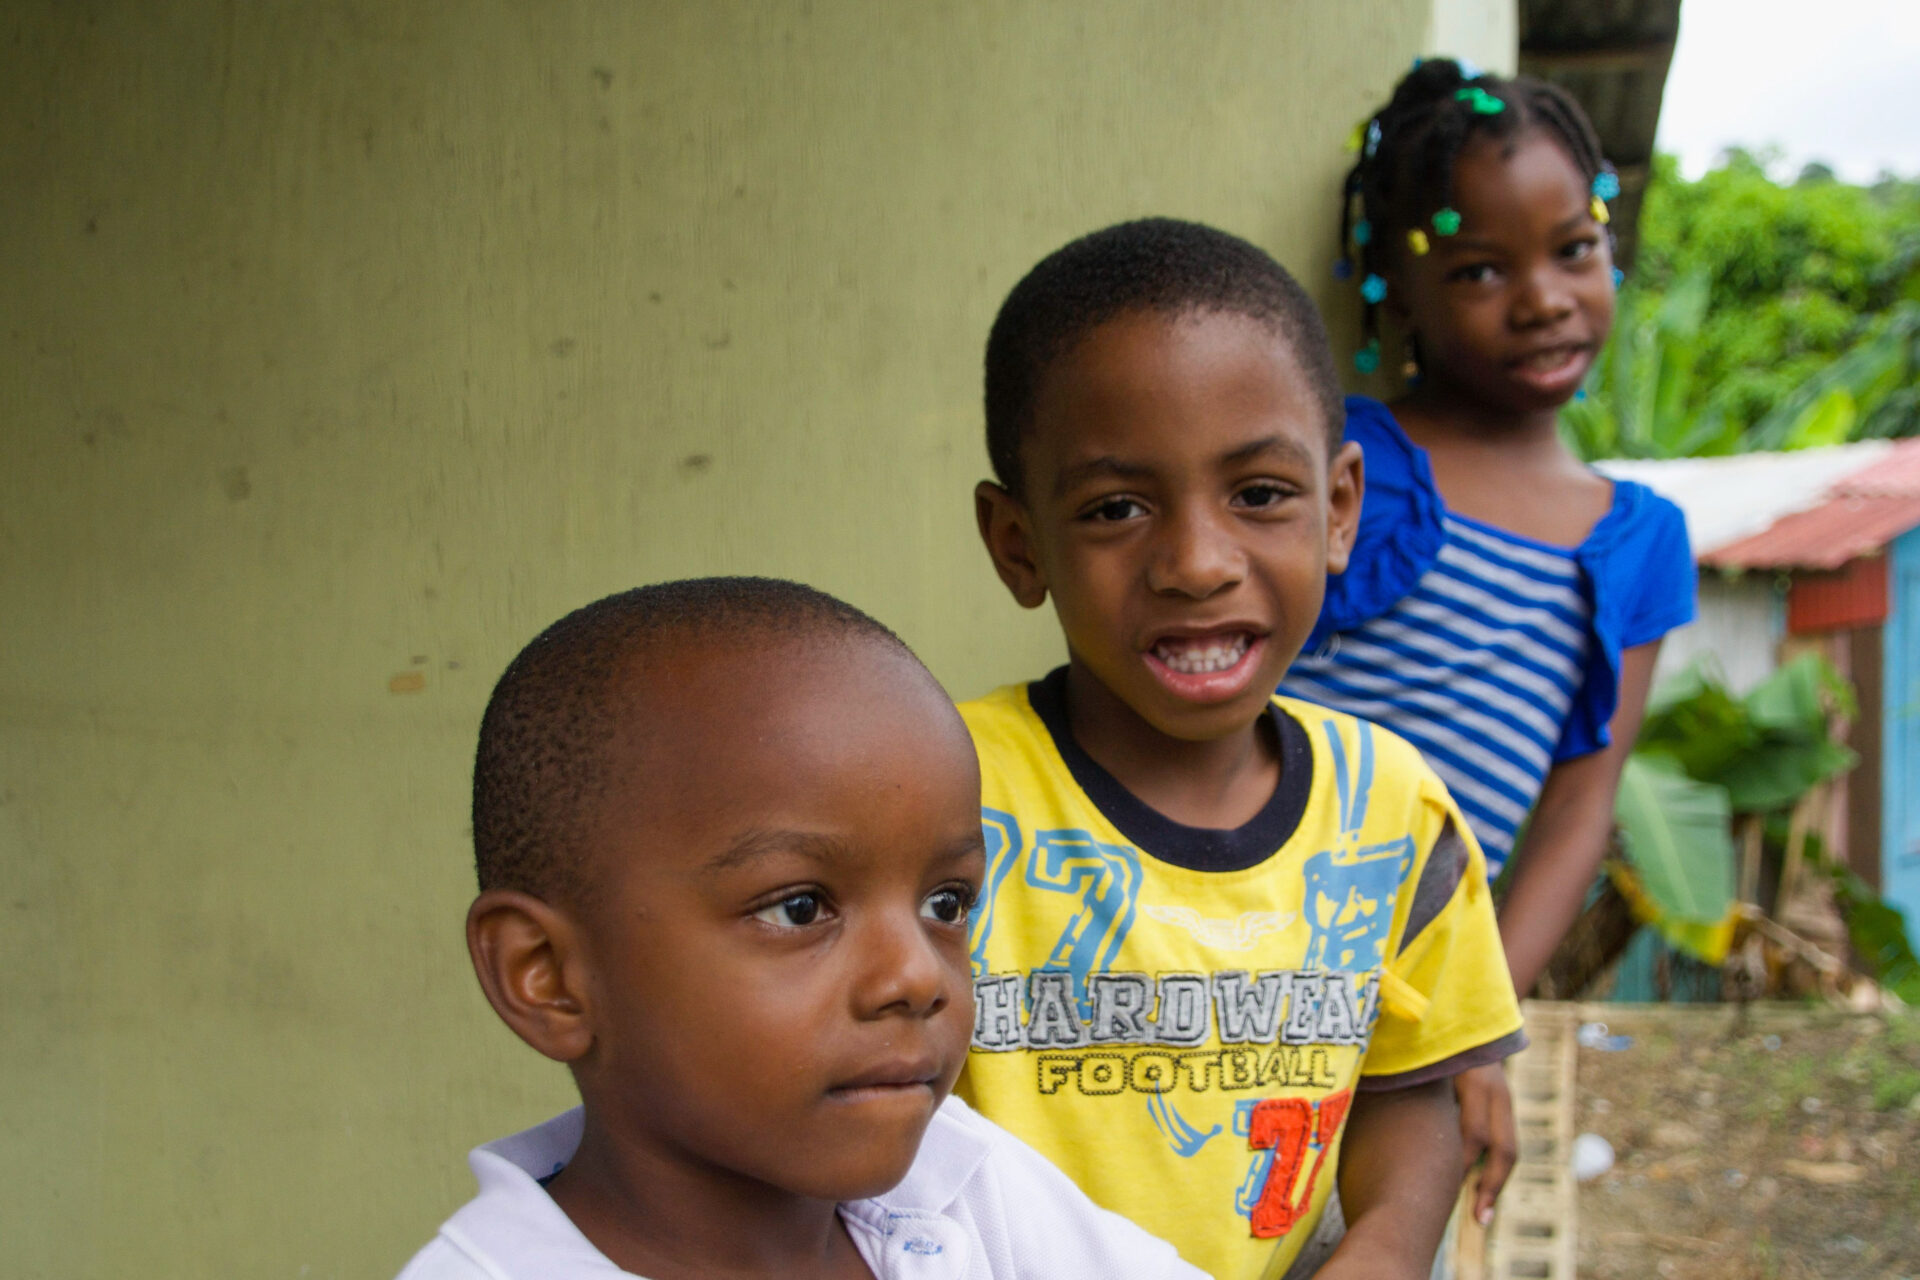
{"x": 1203, "y": 657}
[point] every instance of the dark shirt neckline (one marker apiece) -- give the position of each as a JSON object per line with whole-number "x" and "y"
{"x": 1194, "y": 848}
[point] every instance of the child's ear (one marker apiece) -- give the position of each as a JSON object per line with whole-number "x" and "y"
{"x": 1346, "y": 487}
{"x": 528, "y": 958}
{"x": 1007, "y": 529}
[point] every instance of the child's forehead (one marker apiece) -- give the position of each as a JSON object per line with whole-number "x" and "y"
{"x": 1141, "y": 356}
{"x": 698, "y": 721}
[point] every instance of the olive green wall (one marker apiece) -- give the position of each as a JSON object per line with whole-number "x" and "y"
{"x": 348, "y": 343}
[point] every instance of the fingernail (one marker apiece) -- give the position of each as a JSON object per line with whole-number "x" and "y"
{"x": 1486, "y": 1217}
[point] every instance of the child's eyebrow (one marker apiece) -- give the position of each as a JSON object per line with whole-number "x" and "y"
{"x": 811, "y": 845}
{"x": 762, "y": 842}
{"x": 1106, "y": 465}
{"x": 1287, "y": 447}
{"x": 1474, "y": 244}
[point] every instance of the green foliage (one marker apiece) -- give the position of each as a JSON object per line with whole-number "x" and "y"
{"x": 1760, "y": 315}
{"x": 1878, "y": 933}
{"x": 1764, "y": 751}
{"x": 1704, "y": 756}
{"x": 1677, "y": 835}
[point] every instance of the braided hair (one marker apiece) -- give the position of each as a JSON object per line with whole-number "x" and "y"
{"x": 1403, "y": 179}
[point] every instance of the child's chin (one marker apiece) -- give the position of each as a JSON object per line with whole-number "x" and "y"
{"x": 868, "y": 1173}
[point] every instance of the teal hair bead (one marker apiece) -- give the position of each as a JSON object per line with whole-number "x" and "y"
{"x": 1362, "y": 231}
{"x": 1606, "y": 184}
{"x": 1367, "y": 358}
{"x": 1373, "y": 289}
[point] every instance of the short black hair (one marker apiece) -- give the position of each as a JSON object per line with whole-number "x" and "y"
{"x": 543, "y": 762}
{"x": 1155, "y": 264}
{"x": 1409, "y": 148}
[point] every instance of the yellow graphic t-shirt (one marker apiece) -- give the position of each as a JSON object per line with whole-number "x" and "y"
{"x": 1177, "y": 1017}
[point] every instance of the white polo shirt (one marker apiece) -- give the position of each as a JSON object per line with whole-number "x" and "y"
{"x": 978, "y": 1204}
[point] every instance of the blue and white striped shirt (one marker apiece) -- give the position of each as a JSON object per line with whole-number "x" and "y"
{"x": 1477, "y": 666}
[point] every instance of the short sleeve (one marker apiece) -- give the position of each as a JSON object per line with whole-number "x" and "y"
{"x": 1446, "y": 999}
{"x": 1662, "y": 580}
{"x": 1639, "y": 565}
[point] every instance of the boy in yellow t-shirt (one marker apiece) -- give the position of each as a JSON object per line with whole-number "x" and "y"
{"x": 1231, "y": 948}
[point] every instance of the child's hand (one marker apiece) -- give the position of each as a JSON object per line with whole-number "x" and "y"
{"x": 1486, "y": 1125}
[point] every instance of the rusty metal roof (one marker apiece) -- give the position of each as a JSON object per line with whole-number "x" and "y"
{"x": 1612, "y": 56}
{"x": 1861, "y": 514}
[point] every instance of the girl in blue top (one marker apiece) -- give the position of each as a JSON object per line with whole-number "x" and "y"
{"x": 1504, "y": 602}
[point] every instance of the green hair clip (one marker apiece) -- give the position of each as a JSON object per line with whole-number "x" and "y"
{"x": 1483, "y": 102}
{"x": 1446, "y": 221}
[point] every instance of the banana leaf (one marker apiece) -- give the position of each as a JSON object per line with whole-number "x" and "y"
{"x": 1679, "y": 841}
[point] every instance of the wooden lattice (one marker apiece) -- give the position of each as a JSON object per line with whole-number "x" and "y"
{"x": 1536, "y": 1226}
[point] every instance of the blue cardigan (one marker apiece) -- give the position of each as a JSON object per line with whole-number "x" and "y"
{"x": 1637, "y": 563}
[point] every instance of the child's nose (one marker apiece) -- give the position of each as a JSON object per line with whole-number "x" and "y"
{"x": 903, "y": 970}
{"x": 1196, "y": 555}
{"x": 1544, "y": 296}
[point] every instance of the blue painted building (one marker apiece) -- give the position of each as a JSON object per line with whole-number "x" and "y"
{"x": 1851, "y": 567}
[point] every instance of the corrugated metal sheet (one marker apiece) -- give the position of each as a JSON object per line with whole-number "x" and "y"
{"x": 1728, "y": 498}
{"x": 1896, "y": 474}
{"x": 1863, "y": 512}
{"x": 1824, "y": 538}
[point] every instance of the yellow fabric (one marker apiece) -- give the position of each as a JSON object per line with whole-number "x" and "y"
{"x": 1176, "y": 1039}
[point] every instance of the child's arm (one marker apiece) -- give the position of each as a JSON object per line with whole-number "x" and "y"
{"x": 1567, "y": 835}
{"x": 1399, "y": 1169}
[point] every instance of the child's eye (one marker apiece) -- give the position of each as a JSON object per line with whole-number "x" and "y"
{"x": 1578, "y": 249}
{"x": 1263, "y": 494}
{"x": 949, "y": 905}
{"x": 1473, "y": 273}
{"x": 795, "y": 911}
{"x": 1114, "y": 508}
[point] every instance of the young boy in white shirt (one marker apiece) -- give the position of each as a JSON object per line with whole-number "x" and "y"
{"x": 727, "y": 834}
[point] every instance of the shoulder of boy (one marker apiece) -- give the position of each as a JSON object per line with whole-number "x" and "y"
{"x": 1055, "y": 1231}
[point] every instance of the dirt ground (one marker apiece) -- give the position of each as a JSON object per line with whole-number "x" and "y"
{"x": 1770, "y": 1141}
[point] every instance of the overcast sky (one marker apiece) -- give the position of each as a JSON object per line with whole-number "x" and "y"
{"x": 1832, "y": 80}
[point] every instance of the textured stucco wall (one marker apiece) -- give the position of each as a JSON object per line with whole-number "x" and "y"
{"x": 343, "y": 344}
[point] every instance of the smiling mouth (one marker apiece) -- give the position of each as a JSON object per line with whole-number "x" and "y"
{"x": 1550, "y": 360}
{"x": 1202, "y": 655}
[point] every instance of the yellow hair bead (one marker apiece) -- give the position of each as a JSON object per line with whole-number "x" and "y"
{"x": 1600, "y": 214}
{"x": 1417, "y": 241}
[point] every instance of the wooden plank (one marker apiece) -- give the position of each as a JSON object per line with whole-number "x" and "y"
{"x": 1536, "y": 1226}
{"x": 1652, "y": 55}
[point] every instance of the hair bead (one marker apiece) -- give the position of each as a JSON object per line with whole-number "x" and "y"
{"x": 1446, "y": 221}
{"x": 1480, "y": 100}
{"x": 1367, "y": 358}
{"x": 1373, "y": 288}
{"x": 1606, "y": 184}
{"x": 1417, "y": 242}
{"x": 1619, "y": 277}
{"x": 1342, "y": 269}
{"x": 1362, "y": 231}
{"x": 1599, "y": 210}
